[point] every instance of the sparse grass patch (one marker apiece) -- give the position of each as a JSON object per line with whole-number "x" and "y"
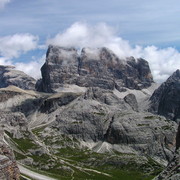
{"x": 143, "y": 125}
{"x": 37, "y": 131}
{"x": 150, "y": 117}
{"x": 19, "y": 156}
{"x": 166, "y": 127}
{"x": 100, "y": 113}
{"x": 25, "y": 144}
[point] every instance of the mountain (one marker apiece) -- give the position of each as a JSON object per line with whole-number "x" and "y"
{"x": 166, "y": 100}
{"x": 92, "y": 68}
{"x": 10, "y": 76}
{"x": 89, "y": 119}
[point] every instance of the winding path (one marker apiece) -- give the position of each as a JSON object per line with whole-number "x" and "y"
{"x": 32, "y": 174}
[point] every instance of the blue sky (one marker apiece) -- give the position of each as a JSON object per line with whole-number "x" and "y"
{"x": 149, "y": 29}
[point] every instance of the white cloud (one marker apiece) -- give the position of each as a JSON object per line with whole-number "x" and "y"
{"x": 4, "y": 61}
{"x": 31, "y": 68}
{"x": 3, "y": 3}
{"x": 163, "y": 62}
{"x": 14, "y": 45}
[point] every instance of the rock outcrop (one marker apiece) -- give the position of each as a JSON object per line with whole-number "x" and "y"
{"x": 8, "y": 167}
{"x": 172, "y": 172}
{"x": 93, "y": 68}
{"x": 166, "y": 99}
{"x": 132, "y": 101}
{"x": 10, "y": 76}
{"x": 100, "y": 116}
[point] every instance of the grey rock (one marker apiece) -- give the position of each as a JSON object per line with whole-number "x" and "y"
{"x": 104, "y": 96}
{"x": 8, "y": 165}
{"x": 131, "y": 100}
{"x": 166, "y": 99}
{"x": 93, "y": 68}
{"x": 52, "y": 103}
{"x": 178, "y": 138}
{"x": 144, "y": 133}
{"x": 61, "y": 67}
{"x": 99, "y": 115}
{"x": 28, "y": 161}
{"x": 14, "y": 123}
{"x": 172, "y": 172}
{"x": 10, "y": 76}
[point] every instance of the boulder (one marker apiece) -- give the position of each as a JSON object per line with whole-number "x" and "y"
{"x": 132, "y": 101}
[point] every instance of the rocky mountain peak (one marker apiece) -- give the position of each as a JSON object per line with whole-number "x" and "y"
{"x": 166, "y": 100}
{"x": 94, "y": 67}
{"x": 61, "y": 55}
{"x": 175, "y": 76}
{"x": 10, "y": 76}
{"x": 100, "y": 54}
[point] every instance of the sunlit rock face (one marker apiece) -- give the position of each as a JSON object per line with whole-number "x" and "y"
{"x": 92, "y": 68}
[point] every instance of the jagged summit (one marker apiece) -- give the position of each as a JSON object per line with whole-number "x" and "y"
{"x": 56, "y": 54}
{"x": 166, "y": 100}
{"x": 175, "y": 76}
{"x": 10, "y": 76}
{"x": 92, "y": 68}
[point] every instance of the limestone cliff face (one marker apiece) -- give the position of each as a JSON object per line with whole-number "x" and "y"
{"x": 93, "y": 68}
{"x": 166, "y": 99}
{"x": 8, "y": 166}
{"x": 178, "y": 138}
{"x": 10, "y": 76}
{"x": 61, "y": 67}
{"x": 172, "y": 172}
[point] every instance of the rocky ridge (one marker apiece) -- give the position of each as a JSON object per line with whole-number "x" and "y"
{"x": 10, "y": 76}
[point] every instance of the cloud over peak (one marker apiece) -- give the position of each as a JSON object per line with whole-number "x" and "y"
{"x": 81, "y": 35}
{"x": 162, "y": 62}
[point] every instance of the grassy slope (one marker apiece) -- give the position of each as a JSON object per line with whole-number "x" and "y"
{"x": 68, "y": 162}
